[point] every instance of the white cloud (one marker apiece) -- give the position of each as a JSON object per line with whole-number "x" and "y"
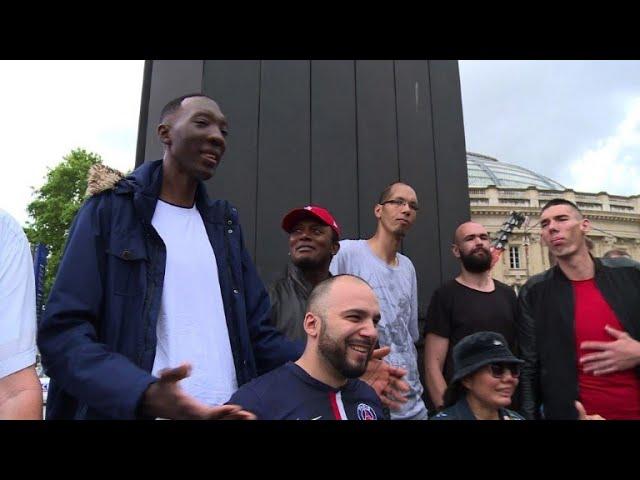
{"x": 52, "y": 107}
{"x": 613, "y": 164}
{"x": 557, "y": 118}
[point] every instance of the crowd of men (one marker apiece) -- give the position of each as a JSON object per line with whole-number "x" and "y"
{"x": 157, "y": 310}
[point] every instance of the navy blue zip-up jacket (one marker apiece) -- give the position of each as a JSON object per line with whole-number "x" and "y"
{"x": 98, "y": 333}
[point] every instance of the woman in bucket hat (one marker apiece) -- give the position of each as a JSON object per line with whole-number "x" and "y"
{"x": 485, "y": 377}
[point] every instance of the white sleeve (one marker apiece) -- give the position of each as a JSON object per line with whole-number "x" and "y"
{"x": 337, "y": 266}
{"x": 17, "y": 304}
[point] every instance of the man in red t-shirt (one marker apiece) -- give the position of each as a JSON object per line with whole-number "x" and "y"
{"x": 591, "y": 301}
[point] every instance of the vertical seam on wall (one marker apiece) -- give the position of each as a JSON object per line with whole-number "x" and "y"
{"x": 310, "y": 133}
{"x": 202, "y": 77}
{"x": 355, "y": 97}
{"x": 395, "y": 97}
{"x": 255, "y": 230}
{"x": 435, "y": 170}
{"x": 395, "y": 93}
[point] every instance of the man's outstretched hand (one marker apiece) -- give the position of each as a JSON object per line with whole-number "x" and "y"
{"x": 166, "y": 399}
{"x": 386, "y": 379}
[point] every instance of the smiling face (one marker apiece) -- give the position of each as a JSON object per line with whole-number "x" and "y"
{"x": 194, "y": 137}
{"x": 397, "y": 218}
{"x": 471, "y": 246}
{"x": 490, "y": 391}
{"x": 563, "y": 229}
{"x": 312, "y": 244}
{"x": 347, "y": 334}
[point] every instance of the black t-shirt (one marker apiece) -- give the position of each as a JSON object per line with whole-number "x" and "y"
{"x": 456, "y": 311}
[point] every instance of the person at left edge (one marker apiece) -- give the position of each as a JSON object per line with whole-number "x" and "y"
{"x": 20, "y": 390}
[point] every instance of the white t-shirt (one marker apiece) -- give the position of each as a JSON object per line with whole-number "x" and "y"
{"x": 17, "y": 299}
{"x": 397, "y": 291}
{"x": 192, "y": 326}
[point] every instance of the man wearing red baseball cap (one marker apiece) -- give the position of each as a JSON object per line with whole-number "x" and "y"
{"x": 314, "y": 237}
{"x": 313, "y": 241}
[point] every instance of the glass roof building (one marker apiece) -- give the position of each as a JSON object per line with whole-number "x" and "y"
{"x": 484, "y": 171}
{"x": 497, "y": 188}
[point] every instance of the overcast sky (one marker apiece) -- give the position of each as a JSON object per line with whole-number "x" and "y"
{"x": 577, "y": 122}
{"x": 52, "y": 107}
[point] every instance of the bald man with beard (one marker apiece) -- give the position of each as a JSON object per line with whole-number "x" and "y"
{"x": 470, "y": 303}
{"x": 323, "y": 384}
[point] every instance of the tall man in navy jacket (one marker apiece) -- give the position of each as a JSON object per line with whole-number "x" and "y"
{"x": 131, "y": 289}
{"x": 157, "y": 309}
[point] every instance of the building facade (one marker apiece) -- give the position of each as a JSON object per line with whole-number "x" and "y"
{"x": 497, "y": 188}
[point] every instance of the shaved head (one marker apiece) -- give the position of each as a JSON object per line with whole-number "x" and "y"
{"x": 319, "y": 298}
{"x": 342, "y": 314}
{"x": 463, "y": 229}
{"x": 472, "y": 246}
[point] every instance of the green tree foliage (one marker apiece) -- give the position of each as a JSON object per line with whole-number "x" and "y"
{"x": 55, "y": 206}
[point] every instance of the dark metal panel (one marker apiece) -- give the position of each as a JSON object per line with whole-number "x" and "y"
{"x": 417, "y": 168}
{"x": 169, "y": 79}
{"x": 377, "y": 142}
{"x": 283, "y": 157}
{"x": 144, "y": 111}
{"x": 334, "y": 178}
{"x": 235, "y": 85}
{"x": 451, "y": 165}
{"x": 293, "y": 131}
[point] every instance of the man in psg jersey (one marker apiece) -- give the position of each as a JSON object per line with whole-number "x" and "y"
{"x": 323, "y": 383}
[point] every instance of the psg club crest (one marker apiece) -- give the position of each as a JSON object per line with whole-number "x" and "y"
{"x": 365, "y": 412}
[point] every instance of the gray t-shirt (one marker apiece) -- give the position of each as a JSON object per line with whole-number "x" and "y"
{"x": 397, "y": 292}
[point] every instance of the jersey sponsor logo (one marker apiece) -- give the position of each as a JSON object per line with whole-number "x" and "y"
{"x": 365, "y": 412}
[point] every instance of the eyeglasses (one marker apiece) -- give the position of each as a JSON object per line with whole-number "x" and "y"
{"x": 498, "y": 369}
{"x": 401, "y": 202}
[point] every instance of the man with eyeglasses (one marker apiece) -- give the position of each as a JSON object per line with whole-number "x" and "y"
{"x": 472, "y": 302}
{"x": 393, "y": 279}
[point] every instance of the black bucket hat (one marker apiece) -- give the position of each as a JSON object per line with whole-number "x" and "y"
{"x": 477, "y": 350}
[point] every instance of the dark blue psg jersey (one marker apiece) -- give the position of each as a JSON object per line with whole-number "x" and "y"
{"x": 289, "y": 393}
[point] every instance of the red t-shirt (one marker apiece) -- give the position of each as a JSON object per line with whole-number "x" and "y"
{"x": 615, "y": 395}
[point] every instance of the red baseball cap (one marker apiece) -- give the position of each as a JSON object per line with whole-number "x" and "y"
{"x": 291, "y": 219}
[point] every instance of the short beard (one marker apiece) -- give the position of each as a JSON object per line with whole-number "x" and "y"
{"x": 311, "y": 264}
{"x": 476, "y": 264}
{"x": 400, "y": 232}
{"x": 336, "y": 355}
